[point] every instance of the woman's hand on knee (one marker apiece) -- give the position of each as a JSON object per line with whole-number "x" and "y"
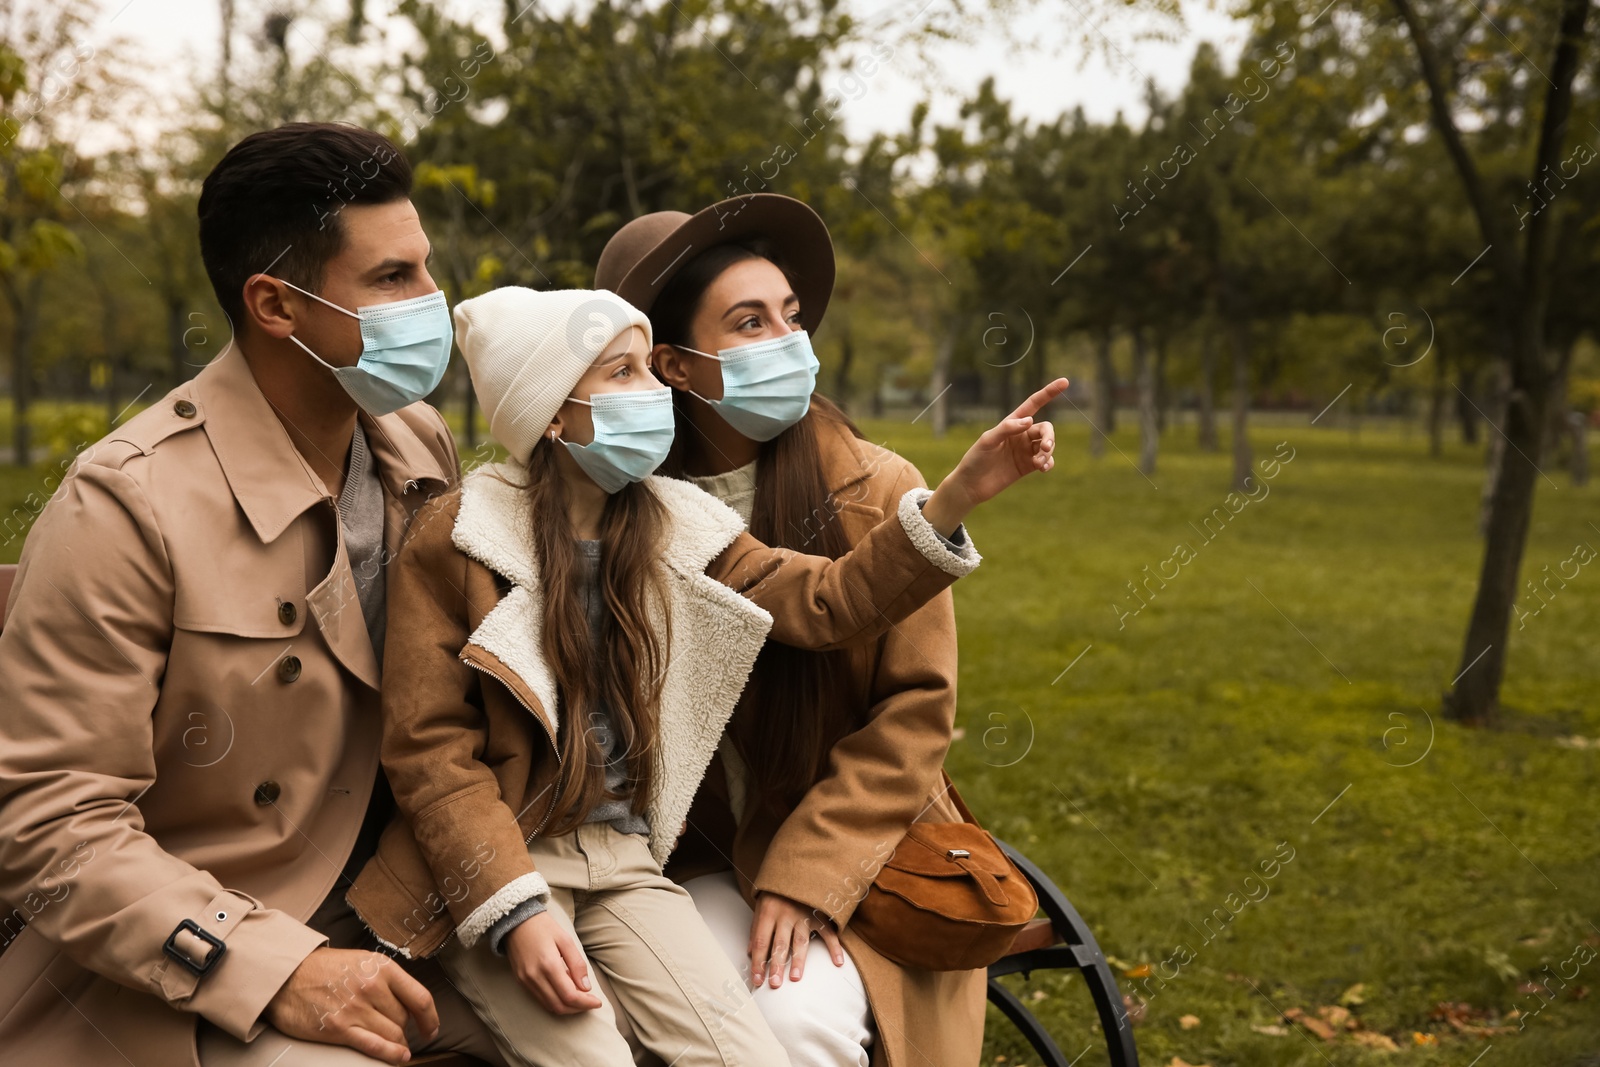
{"x": 780, "y": 934}
{"x": 549, "y": 962}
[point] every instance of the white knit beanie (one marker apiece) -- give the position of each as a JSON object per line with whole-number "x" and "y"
{"x": 526, "y": 348}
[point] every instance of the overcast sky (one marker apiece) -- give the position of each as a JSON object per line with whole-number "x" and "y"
{"x": 1045, "y": 76}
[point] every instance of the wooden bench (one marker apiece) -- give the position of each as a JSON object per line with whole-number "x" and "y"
{"x": 1060, "y": 941}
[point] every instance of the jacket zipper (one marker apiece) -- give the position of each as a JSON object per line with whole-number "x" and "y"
{"x": 561, "y": 770}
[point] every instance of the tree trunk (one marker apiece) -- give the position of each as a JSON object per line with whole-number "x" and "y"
{"x": 1242, "y": 456}
{"x": 1494, "y": 455}
{"x": 841, "y": 380}
{"x": 1436, "y": 399}
{"x": 1105, "y": 395}
{"x": 1578, "y": 426}
{"x": 1208, "y": 400}
{"x": 1161, "y": 397}
{"x": 1144, "y": 373}
{"x": 24, "y": 323}
{"x": 1466, "y": 413}
{"x": 177, "y": 350}
{"x": 940, "y": 385}
{"x": 1006, "y": 405}
{"x": 1474, "y": 698}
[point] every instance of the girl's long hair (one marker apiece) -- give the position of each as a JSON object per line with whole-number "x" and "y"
{"x": 803, "y": 702}
{"x": 626, "y": 671}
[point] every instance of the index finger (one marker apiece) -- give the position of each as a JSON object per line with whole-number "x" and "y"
{"x": 416, "y": 999}
{"x": 1031, "y": 406}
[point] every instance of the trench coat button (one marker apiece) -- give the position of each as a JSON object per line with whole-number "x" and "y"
{"x": 267, "y": 793}
{"x": 286, "y": 613}
{"x": 184, "y": 409}
{"x": 288, "y": 668}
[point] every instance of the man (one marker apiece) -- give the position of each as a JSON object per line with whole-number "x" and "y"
{"x": 189, "y": 722}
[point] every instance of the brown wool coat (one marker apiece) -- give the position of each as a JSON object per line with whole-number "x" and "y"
{"x": 149, "y": 709}
{"x": 875, "y": 783}
{"x": 471, "y": 712}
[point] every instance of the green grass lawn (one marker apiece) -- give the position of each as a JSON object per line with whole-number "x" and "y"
{"x": 1270, "y": 697}
{"x": 1227, "y": 723}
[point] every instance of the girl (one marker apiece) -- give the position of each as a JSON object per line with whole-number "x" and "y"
{"x": 831, "y": 755}
{"x": 566, "y": 643}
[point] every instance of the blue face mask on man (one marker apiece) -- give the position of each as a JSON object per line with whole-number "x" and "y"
{"x": 405, "y": 348}
{"x": 766, "y": 385}
{"x": 632, "y": 433}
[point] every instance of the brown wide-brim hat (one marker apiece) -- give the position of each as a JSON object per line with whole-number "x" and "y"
{"x": 642, "y": 257}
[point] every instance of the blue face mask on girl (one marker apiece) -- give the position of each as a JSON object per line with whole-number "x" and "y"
{"x": 766, "y": 385}
{"x": 632, "y": 433}
{"x": 405, "y": 348}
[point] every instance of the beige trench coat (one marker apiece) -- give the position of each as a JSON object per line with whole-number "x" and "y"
{"x": 875, "y": 783}
{"x": 188, "y": 722}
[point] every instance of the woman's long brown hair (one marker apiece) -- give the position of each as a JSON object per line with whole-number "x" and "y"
{"x": 626, "y": 671}
{"x": 803, "y": 702}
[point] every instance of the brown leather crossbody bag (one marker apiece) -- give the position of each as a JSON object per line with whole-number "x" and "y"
{"x": 949, "y": 899}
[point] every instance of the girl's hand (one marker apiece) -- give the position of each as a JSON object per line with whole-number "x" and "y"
{"x": 781, "y": 933}
{"x": 549, "y": 963}
{"x": 1004, "y": 454}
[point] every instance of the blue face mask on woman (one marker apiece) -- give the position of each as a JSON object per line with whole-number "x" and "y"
{"x": 405, "y": 348}
{"x": 766, "y": 385}
{"x": 632, "y": 433}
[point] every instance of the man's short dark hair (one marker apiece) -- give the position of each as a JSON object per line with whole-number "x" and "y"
{"x": 274, "y": 201}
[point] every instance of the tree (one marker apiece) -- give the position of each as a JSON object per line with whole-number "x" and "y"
{"x": 1520, "y": 261}
{"x": 46, "y": 73}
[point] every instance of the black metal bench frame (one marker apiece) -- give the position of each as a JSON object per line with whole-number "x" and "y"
{"x": 1068, "y": 946}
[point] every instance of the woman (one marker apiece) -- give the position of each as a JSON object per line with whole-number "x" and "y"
{"x": 566, "y": 644}
{"x": 830, "y": 755}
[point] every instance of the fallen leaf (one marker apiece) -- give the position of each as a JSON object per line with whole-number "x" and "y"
{"x": 1310, "y": 1022}
{"x": 1420, "y": 1038}
{"x": 1337, "y": 1017}
{"x": 1271, "y": 1030}
{"x": 1141, "y": 971}
{"x": 1188, "y": 1022}
{"x": 1466, "y": 1019}
{"x": 1352, "y": 996}
{"x": 1038, "y": 994}
{"x": 1179, "y": 1061}
{"x": 1374, "y": 1040}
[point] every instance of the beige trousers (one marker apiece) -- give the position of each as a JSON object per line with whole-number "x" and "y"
{"x": 661, "y": 967}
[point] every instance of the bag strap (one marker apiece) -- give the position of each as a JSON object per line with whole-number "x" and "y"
{"x": 955, "y": 798}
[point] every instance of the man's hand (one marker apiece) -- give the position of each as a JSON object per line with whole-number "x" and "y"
{"x": 780, "y": 933}
{"x": 549, "y": 963}
{"x": 355, "y": 998}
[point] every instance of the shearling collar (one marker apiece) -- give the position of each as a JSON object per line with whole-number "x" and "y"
{"x": 715, "y": 632}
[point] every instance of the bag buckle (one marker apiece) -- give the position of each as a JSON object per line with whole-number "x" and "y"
{"x": 958, "y": 854}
